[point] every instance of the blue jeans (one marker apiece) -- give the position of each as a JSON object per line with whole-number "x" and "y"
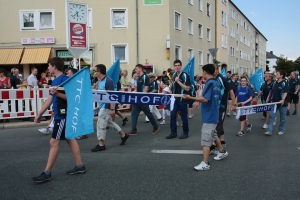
{"x": 282, "y": 112}
{"x": 136, "y": 109}
{"x": 182, "y": 107}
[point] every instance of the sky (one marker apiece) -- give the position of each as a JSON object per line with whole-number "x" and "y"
{"x": 278, "y": 21}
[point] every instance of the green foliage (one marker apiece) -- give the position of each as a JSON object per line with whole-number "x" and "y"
{"x": 216, "y": 62}
{"x": 284, "y": 64}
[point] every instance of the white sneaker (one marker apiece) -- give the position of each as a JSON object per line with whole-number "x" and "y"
{"x": 265, "y": 126}
{"x": 268, "y": 133}
{"x": 280, "y": 133}
{"x": 202, "y": 166}
{"x": 263, "y": 118}
{"x": 220, "y": 155}
{"x": 177, "y": 123}
{"x": 274, "y": 122}
{"x": 44, "y": 131}
{"x": 228, "y": 114}
{"x": 190, "y": 116}
{"x": 163, "y": 122}
{"x": 234, "y": 113}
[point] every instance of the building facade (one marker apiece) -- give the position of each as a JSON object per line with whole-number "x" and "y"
{"x": 150, "y": 32}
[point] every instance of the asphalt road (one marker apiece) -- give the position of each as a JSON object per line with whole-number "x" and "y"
{"x": 258, "y": 167}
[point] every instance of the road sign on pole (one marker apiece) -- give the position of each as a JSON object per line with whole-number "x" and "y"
{"x": 213, "y": 52}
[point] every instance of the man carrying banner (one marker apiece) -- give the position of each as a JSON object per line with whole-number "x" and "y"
{"x": 292, "y": 96}
{"x": 106, "y": 112}
{"x": 180, "y": 85}
{"x": 55, "y": 66}
{"x": 209, "y": 111}
{"x": 142, "y": 86}
{"x": 278, "y": 93}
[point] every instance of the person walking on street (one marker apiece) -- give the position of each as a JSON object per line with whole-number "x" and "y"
{"x": 293, "y": 96}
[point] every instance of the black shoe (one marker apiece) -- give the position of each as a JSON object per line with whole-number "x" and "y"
{"x": 159, "y": 119}
{"x": 98, "y": 148}
{"x": 171, "y": 136}
{"x": 124, "y": 139}
{"x": 76, "y": 170}
{"x": 43, "y": 177}
{"x": 287, "y": 112}
{"x": 295, "y": 112}
{"x": 183, "y": 136}
{"x": 124, "y": 121}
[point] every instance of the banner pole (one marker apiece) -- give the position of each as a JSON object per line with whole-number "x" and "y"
{"x": 266, "y": 104}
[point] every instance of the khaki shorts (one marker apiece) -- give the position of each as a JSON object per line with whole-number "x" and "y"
{"x": 208, "y": 134}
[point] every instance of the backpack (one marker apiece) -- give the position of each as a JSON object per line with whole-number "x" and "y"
{"x": 193, "y": 89}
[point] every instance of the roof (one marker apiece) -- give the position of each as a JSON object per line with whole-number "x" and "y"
{"x": 270, "y": 56}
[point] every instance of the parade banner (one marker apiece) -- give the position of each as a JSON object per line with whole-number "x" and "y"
{"x": 140, "y": 98}
{"x": 80, "y": 104}
{"x": 190, "y": 69}
{"x": 223, "y": 73}
{"x": 257, "y": 79}
{"x": 248, "y": 110}
{"x": 114, "y": 72}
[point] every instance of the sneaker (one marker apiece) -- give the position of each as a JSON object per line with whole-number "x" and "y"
{"x": 249, "y": 128}
{"x": 223, "y": 143}
{"x": 124, "y": 121}
{"x": 228, "y": 114}
{"x": 177, "y": 123}
{"x": 295, "y": 112}
{"x": 265, "y": 126}
{"x": 202, "y": 166}
{"x": 274, "y": 122}
{"x": 44, "y": 131}
{"x": 163, "y": 122}
{"x": 76, "y": 170}
{"x": 155, "y": 130}
{"x": 133, "y": 132}
{"x": 287, "y": 112}
{"x": 184, "y": 136}
{"x": 98, "y": 148}
{"x": 221, "y": 155}
{"x": 124, "y": 139}
{"x": 190, "y": 116}
{"x": 146, "y": 121}
{"x": 234, "y": 113}
{"x": 263, "y": 118}
{"x": 240, "y": 133}
{"x": 171, "y": 136}
{"x": 268, "y": 133}
{"x": 213, "y": 149}
{"x": 159, "y": 119}
{"x": 280, "y": 133}
{"x": 43, "y": 177}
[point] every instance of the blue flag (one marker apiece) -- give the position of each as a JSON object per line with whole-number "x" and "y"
{"x": 190, "y": 69}
{"x": 257, "y": 79}
{"x": 80, "y": 115}
{"x": 114, "y": 71}
{"x": 223, "y": 73}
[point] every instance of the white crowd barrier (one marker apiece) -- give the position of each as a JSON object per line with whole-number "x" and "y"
{"x": 19, "y": 103}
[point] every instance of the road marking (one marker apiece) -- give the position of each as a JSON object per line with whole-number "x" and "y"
{"x": 298, "y": 147}
{"x": 193, "y": 152}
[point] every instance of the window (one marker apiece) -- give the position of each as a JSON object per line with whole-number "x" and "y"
{"x": 200, "y": 31}
{"x": 177, "y": 21}
{"x": 232, "y": 32}
{"x": 90, "y": 18}
{"x": 190, "y": 2}
{"x": 200, "y": 5}
{"x": 190, "y": 54}
{"x": 208, "y": 58}
{"x": 232, "y": 51}
{"x": 190, "y": 26}
{"x": 120, "y": 51}
{"x": 232, "y": 13}
{"x": 224, "y": 2}
{"x": 119, "y": 18}
{"x": 200, "y": 57}
{"x": 208, "y": 34}
{"x": 224, "y": 40}
{"x": 208, "y": 9}
{"x": 224, "y": 18}
{"x": 37, "y": 19}
{"x": 177, "y": 52}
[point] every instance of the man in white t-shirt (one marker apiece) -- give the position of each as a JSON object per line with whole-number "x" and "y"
{"x": 32, "y": 80}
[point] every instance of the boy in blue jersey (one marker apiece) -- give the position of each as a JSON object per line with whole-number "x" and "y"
{"x": 106, "y": 112}
{"x": 292, "y": 96}
{"x": 210, "y": 116}
{"x": 55, "y": 66}
{"x": 278, "y": 93}
{"x": 243, "y": 97}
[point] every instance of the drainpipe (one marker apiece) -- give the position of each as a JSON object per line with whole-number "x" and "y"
{"x": 137, "y": 30}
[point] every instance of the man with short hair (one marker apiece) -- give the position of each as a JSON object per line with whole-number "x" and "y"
{"x": 56, "y": 66}
{"x": 14, "y": 79}
{"x": 228, "y": 74}
{"x": 106, "y": 112}
{"x": 142, "y": 86}
{"x": 32, "y": 80}
{"x": 292, "y": 96}
{"x": 180, "y": 85}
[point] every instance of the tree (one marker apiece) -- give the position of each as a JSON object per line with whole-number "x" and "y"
{"x": 297, "y": 64}
{"x": 284, "y": 64}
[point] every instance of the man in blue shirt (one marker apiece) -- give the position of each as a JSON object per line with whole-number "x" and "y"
{"x": 56, "y": 66}
{"x": 106, "y": 112}
{"x": 142, "y": 86}
{"x": 292, "y": 96}
{"x": 210, "y": 116}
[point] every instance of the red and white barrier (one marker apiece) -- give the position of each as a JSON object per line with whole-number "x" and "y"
{"x": 42, "y": 95}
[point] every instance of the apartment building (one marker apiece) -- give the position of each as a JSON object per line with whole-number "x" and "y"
{"x": 150, "y": 32}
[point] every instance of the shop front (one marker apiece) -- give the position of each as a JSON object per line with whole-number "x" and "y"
{"x": 86, "y": 60}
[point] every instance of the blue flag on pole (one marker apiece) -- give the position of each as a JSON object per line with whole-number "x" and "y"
{"x": 223, "y": 73}
{"x": 257, "y": 79}
{"x": 190, "y": 69}
{"x": 114, "y": 71}
{"x": 80, "y": 115}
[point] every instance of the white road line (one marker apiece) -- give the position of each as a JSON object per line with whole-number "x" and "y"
{"x": 178, "y": 151}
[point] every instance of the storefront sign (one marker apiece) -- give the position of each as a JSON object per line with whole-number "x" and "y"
{"x": 153, "y": 2}
{"x": 66, "y": 54}
{"x": 47, "y": 40}
{"x": 78, "y": 37}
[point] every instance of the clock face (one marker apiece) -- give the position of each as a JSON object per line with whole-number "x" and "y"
{"x": 77, "y": 13}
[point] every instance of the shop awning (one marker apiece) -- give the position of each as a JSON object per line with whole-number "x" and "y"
{"x": 10, "y": 56}
{"x": 36, "y": 55}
